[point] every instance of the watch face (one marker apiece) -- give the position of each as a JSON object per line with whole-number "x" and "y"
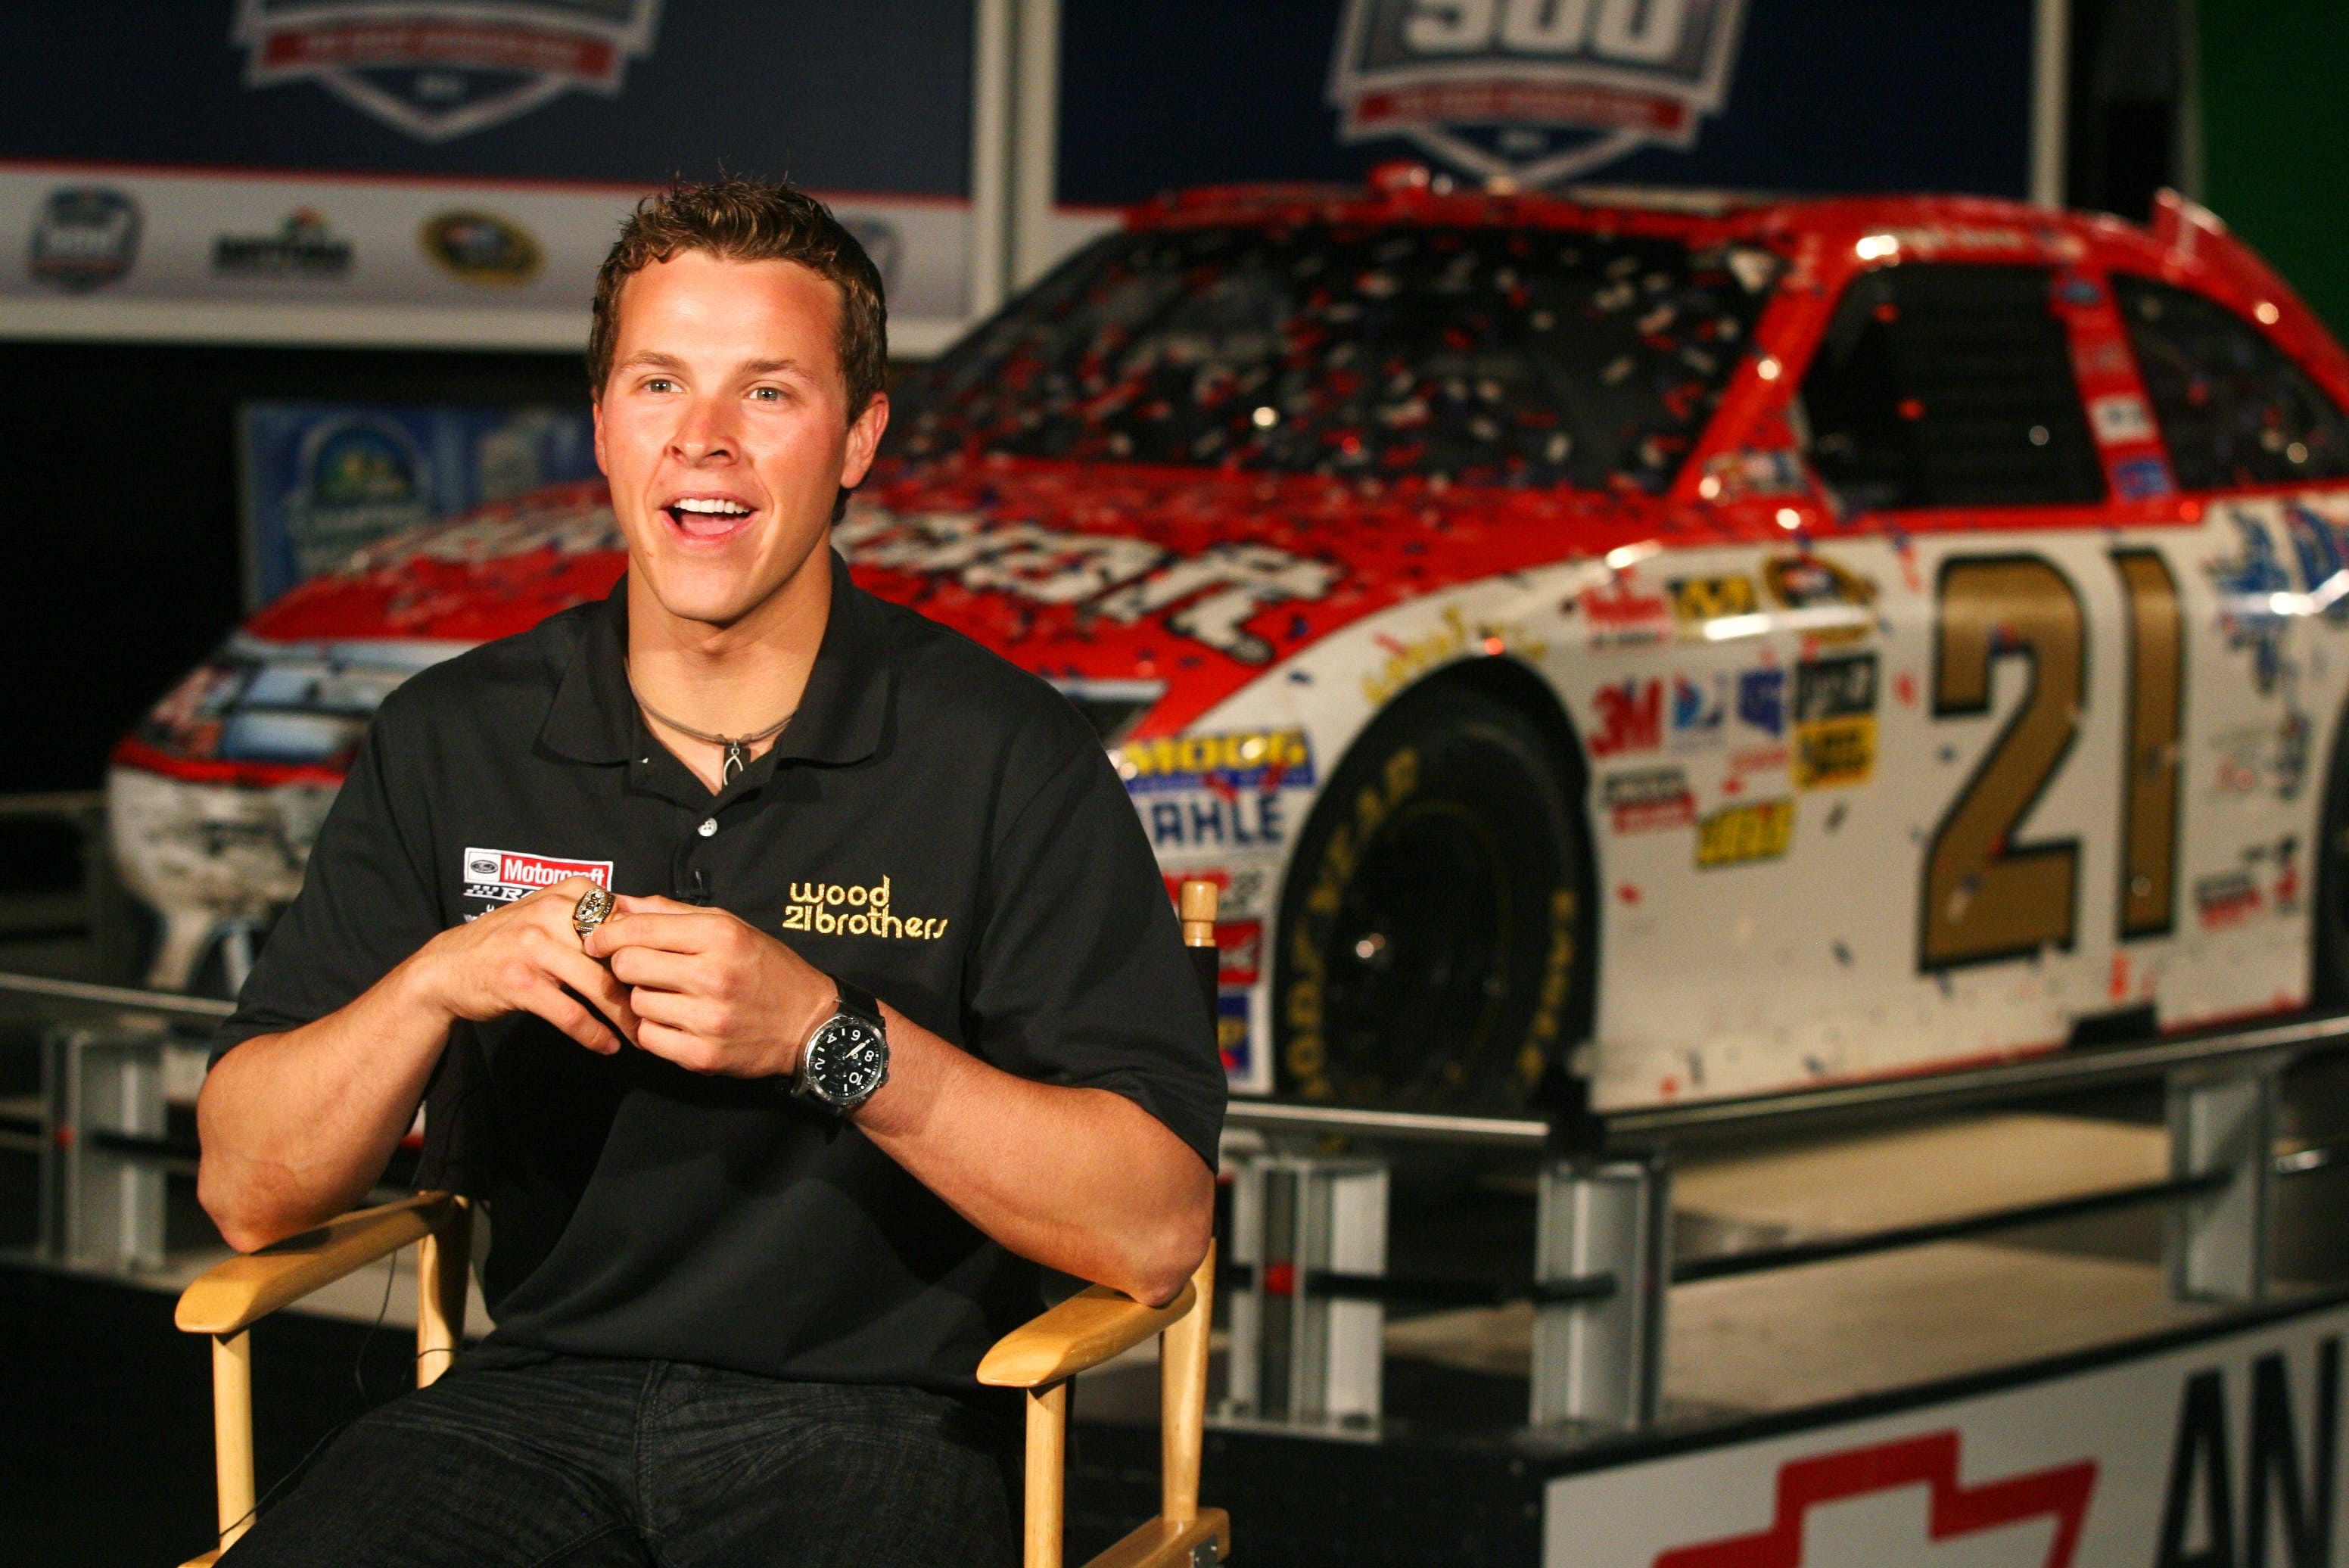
{"x": 849, "y": 1060}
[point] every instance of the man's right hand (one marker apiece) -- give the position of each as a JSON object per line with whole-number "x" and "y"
{"x": 518, "y": 959}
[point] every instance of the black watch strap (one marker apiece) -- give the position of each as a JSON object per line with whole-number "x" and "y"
{"x": 856, "y": 999}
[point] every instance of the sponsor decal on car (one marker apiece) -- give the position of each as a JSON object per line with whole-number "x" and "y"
{"x": 1762, "y": 700}
{"x": 505, "y": 875}
{"x": 1738, "y": 835}
{"x": 2228, "y": 898}
{"x": 1408, "y": 658}
{"x": 1234, "y": 1040}
{"x": 1240, "y": 890}
{"x": 1620, "y": 615}
{"x": 1811, "y": 583}
{"x": 1696, "y": 600}
{"x": 1240, "y": 759}
{"x": 2143, "y": 479}
{"x": 1209, "y": 596}
{"x": 435, "y": 72}
{"x": 2248, "y": 588}
{"x": 86, "y": 237}
{"x": 1700, "y": 705}
{"x": 1216, "y": 792}
{"x": 303, "y": 247}
{"x": 1648, "y": 797}
{"x": 481, "y": 248}
{"x": 1630, "y": 717}
{"x": 1835, "y": 721}
{"x": 2120, "y": 419}
{"x": 1531, "y": 92}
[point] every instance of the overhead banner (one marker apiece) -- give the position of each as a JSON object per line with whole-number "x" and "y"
{"x": 450, "y": 170}
{"x": 1751, "y": 94}
{"x": 2224, "y": 1452}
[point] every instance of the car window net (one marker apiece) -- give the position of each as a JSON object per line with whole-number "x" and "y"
{"x": 2234, "y": 410}
{"x": 1949, "y": 385}
{"x": 1479, "y": 356}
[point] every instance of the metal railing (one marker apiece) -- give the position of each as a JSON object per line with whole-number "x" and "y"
{"x": 1603, "y": 1258}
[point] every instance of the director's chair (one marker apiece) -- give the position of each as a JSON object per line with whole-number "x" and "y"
{"x": 1041, "y": 1356}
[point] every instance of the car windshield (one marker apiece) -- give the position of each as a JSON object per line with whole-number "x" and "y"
{"x": 1499, "y": 357}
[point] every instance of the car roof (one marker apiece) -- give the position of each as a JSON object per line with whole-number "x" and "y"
{"x": 2185, "y": 245}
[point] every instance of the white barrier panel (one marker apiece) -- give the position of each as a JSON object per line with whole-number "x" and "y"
{"x": 2222, "y": 1453}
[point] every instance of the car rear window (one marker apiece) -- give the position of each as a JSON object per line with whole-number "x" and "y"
{"x": 1480, "y": 356}
{"x": 2233, "y": 408}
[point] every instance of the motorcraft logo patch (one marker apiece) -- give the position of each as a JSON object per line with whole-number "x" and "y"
{"x": 438, "y": 69}
{"x": 86, "y": 236}
{"x": 505, "y": 875}
{"x": 1535, "y": 91}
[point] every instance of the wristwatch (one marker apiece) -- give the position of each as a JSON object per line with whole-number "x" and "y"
{"x": 846, "y": 1059}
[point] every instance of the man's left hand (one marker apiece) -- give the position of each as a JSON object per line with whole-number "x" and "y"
{"x": 712, "y": 992}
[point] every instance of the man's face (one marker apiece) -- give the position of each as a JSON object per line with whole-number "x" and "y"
{"x": 724, "y": 429}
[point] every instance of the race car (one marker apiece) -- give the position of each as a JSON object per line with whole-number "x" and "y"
{"x": 1607, "y": 652}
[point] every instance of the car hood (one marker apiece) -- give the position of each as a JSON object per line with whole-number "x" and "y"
{"x": 1197, "y": 579}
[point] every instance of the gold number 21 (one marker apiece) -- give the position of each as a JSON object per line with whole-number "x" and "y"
{"x": 1986, "y": 898}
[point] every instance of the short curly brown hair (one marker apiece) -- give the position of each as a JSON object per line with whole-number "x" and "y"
{"x": 741, "y": 219}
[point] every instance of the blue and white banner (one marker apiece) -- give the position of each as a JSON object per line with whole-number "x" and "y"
{"x": 449, "y": 170}
{"x": 324, "y": 480}
{"x": 1753, "y": 95}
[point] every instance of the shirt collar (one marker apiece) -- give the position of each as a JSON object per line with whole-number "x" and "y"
{"x": 594, "y": 717}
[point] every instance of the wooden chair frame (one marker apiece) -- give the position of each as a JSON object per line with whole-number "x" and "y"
{"x": 1041, "y": 1356}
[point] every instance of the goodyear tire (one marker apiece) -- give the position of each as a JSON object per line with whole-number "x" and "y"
{"x": 1435, "y": 942}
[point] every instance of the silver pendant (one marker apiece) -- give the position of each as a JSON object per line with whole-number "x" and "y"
{"x": 736, "y": 761}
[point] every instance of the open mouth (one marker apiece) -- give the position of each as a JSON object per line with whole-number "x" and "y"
{"x": 709, "y": 517}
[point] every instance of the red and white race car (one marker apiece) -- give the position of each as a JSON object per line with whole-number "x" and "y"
{"x": 1633, "y": 652}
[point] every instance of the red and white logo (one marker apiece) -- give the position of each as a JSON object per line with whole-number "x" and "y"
{"x": 508, "y": 875}
{"x": 2028, "y": 1521}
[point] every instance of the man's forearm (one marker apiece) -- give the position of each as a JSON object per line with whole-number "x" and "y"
{"x": 296, "y": 1126}
{"x": 1080, "y": 1179}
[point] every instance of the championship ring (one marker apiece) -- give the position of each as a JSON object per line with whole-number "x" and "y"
{"x": 595, "y": 907}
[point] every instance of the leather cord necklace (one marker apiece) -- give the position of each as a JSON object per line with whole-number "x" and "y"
{"x": 738, "y": 756}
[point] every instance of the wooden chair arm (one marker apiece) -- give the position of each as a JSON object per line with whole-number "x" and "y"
{"x": 230, "y": 1297}
{"x": 1082, "y": 1332}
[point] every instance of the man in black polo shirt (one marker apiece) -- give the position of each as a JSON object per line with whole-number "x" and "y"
{"x": 751, "y": 1228}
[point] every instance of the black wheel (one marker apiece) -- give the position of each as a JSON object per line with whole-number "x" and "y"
{"x": 2329, "y": 935}
{"x": 1435, "y": 946}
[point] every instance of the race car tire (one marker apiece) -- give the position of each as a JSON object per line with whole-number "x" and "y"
{"x": 2329, "y": 931}
{"x": 1436, "y": 944}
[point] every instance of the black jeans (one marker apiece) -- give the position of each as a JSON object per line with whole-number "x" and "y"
{"x": 585, "y": 1463}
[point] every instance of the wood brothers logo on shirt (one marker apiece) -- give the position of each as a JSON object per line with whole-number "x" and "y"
{"x": 829, "y": 909}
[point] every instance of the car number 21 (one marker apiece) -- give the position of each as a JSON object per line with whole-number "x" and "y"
{"x": 1986, "y": 897}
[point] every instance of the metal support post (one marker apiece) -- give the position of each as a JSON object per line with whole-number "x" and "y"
{"x": 1299, "y": 1355}
{"x": 2222, "y": 1125}
{"x": 113, "y": 1199}
{"x": 1599, "y": 1359}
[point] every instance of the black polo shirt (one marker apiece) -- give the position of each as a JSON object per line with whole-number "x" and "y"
{"x": 936, "y": 825}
